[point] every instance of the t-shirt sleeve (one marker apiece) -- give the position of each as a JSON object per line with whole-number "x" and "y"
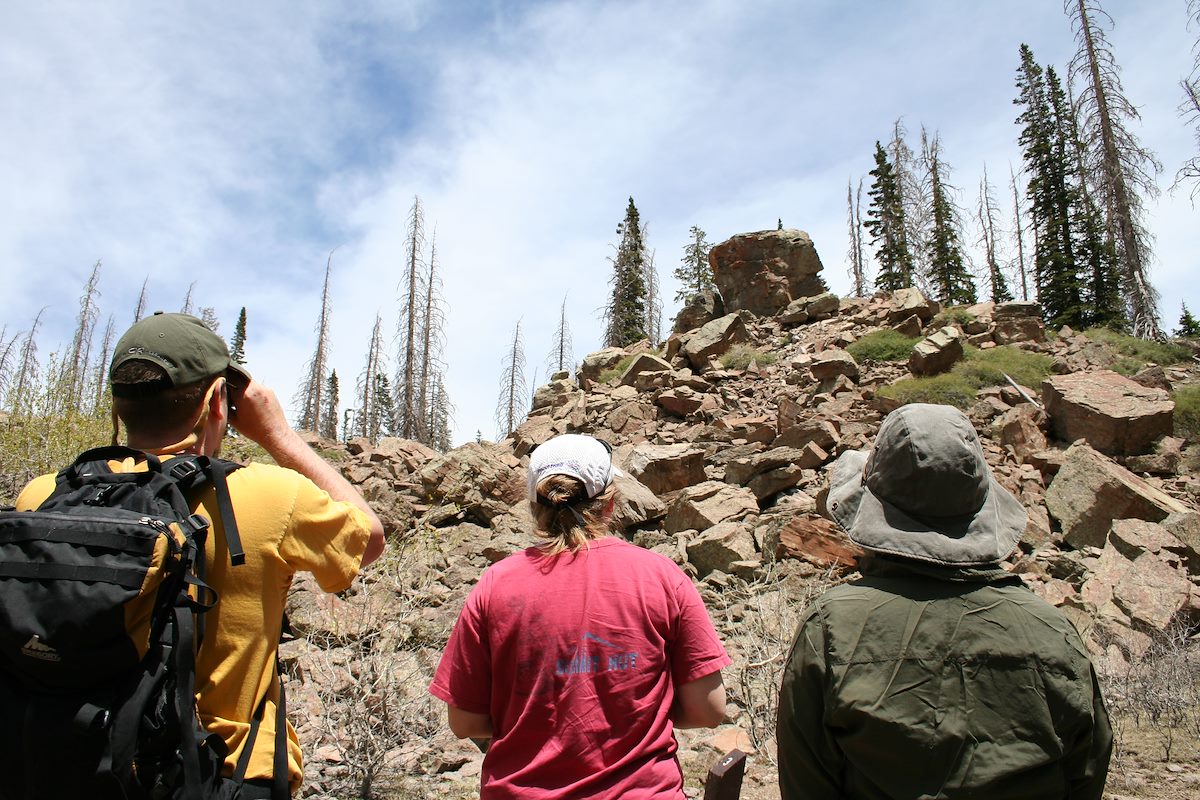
{"x": 697, "y": 650}
{"x": 326, "y": 537}
{"x": 464, "y": 674}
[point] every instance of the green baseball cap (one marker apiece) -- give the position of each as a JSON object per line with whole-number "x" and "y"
{"x": 187, "y": 349}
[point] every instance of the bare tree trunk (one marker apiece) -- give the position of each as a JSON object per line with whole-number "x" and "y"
{"x": 79, "y": 358}
{"x": 139, "y": 310}
{"x": 313, "y": 388}
{"x": 1019, "y": 233}
{"x": 409, "y": 368}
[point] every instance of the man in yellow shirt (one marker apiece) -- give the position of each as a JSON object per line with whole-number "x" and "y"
{"x": 176, "y": 390}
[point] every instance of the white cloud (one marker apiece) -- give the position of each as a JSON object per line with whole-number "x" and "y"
{"x": 238, "y": 148}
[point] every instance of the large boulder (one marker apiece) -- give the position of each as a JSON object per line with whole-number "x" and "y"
{"x": 936, "y": 352}
{"x": 666, "y": 468}
{"x": 480, "y": 481}
{"x": 1112, "y": 413}
{"x": 1017, "y": 321}
{"x": 764, "y": 271}
{"x": 701, "y": 506}
{"x": 713, "y": 339}
{"x": 719, "y": 547}
{"x": 910, "y": 302}
{"x": 1090, "y": 491}
{"x": 698, "y": 310}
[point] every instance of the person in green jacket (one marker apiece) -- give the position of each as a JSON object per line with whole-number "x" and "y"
{"x": 938, "y": 674}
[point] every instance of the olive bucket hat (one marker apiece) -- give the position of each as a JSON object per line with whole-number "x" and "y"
{"x": 925, "y": 491}
{"x": 187, "y": 349}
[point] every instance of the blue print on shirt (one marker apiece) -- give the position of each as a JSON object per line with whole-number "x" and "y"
{"x": 584, "y": 663}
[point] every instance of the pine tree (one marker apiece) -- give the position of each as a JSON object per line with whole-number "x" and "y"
{"x": 8, "y": 357}
{"x": 100, "y": 371}
{"x": 948, "y": 274}
{"x": 694, "y": 273}
{"x": 1189, "y": 107}
{"x": 1120, "y": 169}
{"x": 858, "y": 267}
{"x": 561, "y": 358}
{"x": 625, "y": 315}
{"x": 1044, "y": 149}
{"x": 1188, "y": 326}
{"x": 237, "y": 348}
{"x": 25, "y": 375}
{"x": 912, "y": 179}
{"x": 432, "y": 319}
{"x": 329, "y": 414}
{"x": 885, "y": 224}
{"x": 509, "y": 406}
{"x": 309, "y": 404}
{"x": 382, "y": 421}
{"x": 986, "y": 213}
{"x": 442, "y": 411}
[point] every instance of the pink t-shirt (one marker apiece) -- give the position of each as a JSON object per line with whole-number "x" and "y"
{"x": 576, "y": 659}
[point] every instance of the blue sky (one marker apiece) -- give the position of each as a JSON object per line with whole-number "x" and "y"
{"x": 236, "y": 145}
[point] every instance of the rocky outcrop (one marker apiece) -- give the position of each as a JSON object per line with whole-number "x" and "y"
{"x": 1112, "y": 413}
{"x": 937, "y": 352}
{"x": 765, "y": 271}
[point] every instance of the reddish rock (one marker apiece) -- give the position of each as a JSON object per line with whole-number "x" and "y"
{"x": 1090, "y": 491}
{"x": 1112, "y": 413}
{"x": 764, "y": 271}
{"x": 818, "y": 541}
{"x": 666, "y": 468}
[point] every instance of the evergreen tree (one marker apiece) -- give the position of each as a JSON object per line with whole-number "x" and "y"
{"x": 986, "y": 214}
{"x": 855, "y": 255}
{"x": 625, "y": 315}
{"x": 694, "y": 272}
{"x": 1189, "y": 107}
{"x": 1188, "y": 326}
{"x": 510, "y": 405}
{"x": 237, "y": 348}
{"x": 885, "y": 224}
{"x": 948, "y": 274}
{"x": 1120, "y": 169}
{"x": 329, "y": 415}
{"x": 1044, "y": 149}
{"x": 440, "y": 415}
{"x": 382, "y": 420}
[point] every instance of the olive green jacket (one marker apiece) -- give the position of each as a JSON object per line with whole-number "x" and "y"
{"x": 919, "y": 681}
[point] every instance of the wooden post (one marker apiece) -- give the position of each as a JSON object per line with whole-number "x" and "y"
{"x": 725, "y": 778}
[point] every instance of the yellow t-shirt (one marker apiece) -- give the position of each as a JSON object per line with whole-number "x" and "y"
{"x": 287, "y": 525}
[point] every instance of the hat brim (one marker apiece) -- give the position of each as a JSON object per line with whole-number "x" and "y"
{"x": 984, "y": 537}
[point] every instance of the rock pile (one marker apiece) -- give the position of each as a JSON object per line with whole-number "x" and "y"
{"x": 724, "y": 467}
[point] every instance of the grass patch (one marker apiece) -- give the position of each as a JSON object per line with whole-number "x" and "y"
{"x": 882, "y": 345}
{"x": 740, "y": 355}
{"x": 953, "y": 315}
{"x": 988, "y": 367}
{"x": 1187, "y": 413}
{"x": 615, "y": 372}
{"x": 1133, "y": 353}
{"x": 977, "y": 370}
{"x": 947, "y": 389}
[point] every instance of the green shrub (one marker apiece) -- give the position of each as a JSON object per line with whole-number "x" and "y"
{"x": 740, "y": 355}
{"x": 1138, "y": 351}
{"x": 1187, "y": 413}
{"x": 882, "y": 345}
{"x": 953, "y": 315}
{"x": 947, "y": 389}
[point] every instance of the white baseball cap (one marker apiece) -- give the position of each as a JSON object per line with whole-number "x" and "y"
{"x": 582, "y": 457}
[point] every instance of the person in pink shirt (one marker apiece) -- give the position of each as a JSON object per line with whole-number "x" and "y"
{"x": 580, "y": 656}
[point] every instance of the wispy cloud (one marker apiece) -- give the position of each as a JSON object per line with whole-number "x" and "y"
{"x": 238, "y": 148}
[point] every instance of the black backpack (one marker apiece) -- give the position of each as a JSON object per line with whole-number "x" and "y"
{"x": 102, "y": 597}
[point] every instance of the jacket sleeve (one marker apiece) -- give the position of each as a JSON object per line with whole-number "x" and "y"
{"x": 810, "y": 762}
{"x": 1087, "y": 761}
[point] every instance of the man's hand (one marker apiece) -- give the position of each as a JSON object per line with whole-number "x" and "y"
{"x": 260, "y": 416}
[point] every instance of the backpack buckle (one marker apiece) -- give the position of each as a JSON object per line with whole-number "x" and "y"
{"x": 197, "y": 523}
{"x": 184, "y": 469}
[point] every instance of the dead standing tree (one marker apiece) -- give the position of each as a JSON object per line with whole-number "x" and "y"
{"x": 308, "y": 399}
{"x": 513, "y": 391}
{"x": 1120, "y": 169}
{"x": 408, "y": 335}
